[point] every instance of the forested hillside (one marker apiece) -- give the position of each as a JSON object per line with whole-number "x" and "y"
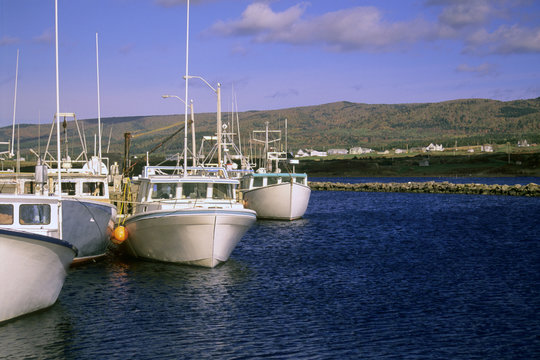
{"x": 334, "y": 125}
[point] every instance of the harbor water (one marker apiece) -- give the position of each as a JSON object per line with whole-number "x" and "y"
{"x": 363, "y": 275}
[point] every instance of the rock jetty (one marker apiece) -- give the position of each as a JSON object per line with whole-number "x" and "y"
{"x": 531, "y": 189}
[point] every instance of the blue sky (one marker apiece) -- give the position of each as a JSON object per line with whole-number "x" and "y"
{"x": 270, "y": 54}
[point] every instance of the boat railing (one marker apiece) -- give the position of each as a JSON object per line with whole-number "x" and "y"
{"x": 204, "y": 171}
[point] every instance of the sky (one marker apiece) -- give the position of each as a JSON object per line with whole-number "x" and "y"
{"x": 271, "y": 54}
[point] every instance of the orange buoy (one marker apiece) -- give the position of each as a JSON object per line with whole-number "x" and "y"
{"x": 120, "y": 234}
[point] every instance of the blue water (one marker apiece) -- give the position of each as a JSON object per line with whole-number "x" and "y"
{"x": 523, "y": 180}
{"x": 363, "y": 275}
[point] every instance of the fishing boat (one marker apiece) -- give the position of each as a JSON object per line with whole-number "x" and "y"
{"x": 33, "y": 268}
{"x": 271, "y": 192}
{"x": 190, "y": 219}
{"x": 85, "y": 215}
{"x": 187, "y": 215}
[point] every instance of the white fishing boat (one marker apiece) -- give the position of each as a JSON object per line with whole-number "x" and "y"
{"x": 187, "y": 215}
{"x": 32, "y": 271}
{"x": 279, "y": 196}
{"x": 86, "y": 217}
{"x": 271, "y": 192}
{"x": 190, "y": 219}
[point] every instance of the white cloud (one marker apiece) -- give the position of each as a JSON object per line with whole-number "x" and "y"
{"x": 482, "y": 69}
{"x": 461, "y": 13}
{"x": 504, "y": 40}
{"x": 342, "y": 30}
{"x": 8, "y": 40}
{"x": 365, "y": 28}
{"x": 46, "y": 37}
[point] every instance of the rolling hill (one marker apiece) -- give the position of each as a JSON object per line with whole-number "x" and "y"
{"x": 335, "y": 125}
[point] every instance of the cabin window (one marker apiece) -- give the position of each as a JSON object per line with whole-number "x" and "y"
{"x": 222, "y": 191}
{"x": 164, "y": 191}
{"x": 193, "y": 190}
{"x": 6, "y": 214}
{"x": 29, "y": 187}
{"x": 94, "y": 188}
{"x": 257, "y": 181}
{"x": 272, "y": 180}
{"x": 68, "y": 188}
{"x": 35, "y": 214}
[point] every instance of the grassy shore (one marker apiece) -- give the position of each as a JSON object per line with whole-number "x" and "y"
{"x": 447, "y": 164}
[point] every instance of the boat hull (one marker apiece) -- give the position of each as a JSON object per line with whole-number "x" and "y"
{"x": 88, "y": 225}
{"x": 203, "y": 237}
{"x": 32, "y": 271}
{"x": 284, "y": 201}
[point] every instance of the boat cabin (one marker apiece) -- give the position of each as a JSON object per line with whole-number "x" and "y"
{"x": 94, "y": 187}
{"x": 256, "y": 180}
{"x": 36, "y": 214}
{"x": 210, "y": 187}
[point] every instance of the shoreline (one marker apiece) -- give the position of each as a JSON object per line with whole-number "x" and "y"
{"x": 431, "y": 187}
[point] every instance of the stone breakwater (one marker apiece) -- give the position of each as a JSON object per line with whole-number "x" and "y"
{"x": 531, "y": 189}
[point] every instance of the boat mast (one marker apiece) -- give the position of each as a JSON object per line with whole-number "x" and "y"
{"x": 12, "y": 150}
{"x": 186, "y": 97}
{"x": 98, "y": 105}
{"x": 57, "y": 115}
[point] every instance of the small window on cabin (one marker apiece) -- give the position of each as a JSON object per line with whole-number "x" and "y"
{"x": 68, "y": 188}
{"x": 29, "y": 187}
{"x": 94, "y": 188}
{"x": 6, "y": 214}
{"x": 257, "y": 181}
{"x": 35, "y": 214}
{"x": 222, "y": 191}
{"x": 164, "y": 191}
{"x": 193, "y": 190}
{"x": 272, "y": 180}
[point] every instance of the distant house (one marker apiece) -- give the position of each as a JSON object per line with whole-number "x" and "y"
{"x": 309, "y": 152}
{"x": 470, "y": 150}
{"x": 400, "y": 151}
{"x": 486, "y": 148}
{"x": 318, "y": 153}
{"x": 337, "y": 151}
{"x": 383, "y": 152}
{"x": 523, "y": 143}
{"x": 302, "y": 153}
{"x": 434, "y": 147}
{"x": 360, "y": 150}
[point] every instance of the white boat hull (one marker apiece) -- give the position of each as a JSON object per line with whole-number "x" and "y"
{"x": 32, "y": 271}
{"x": 284, "y": 201}
{"x": 194, "y": 236}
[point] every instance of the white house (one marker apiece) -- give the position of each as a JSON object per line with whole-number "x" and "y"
{"x": 337, "y": 151}
{"x": 486, "y": 148}
{"x": 302, "y": 153}
{"x": 400, "y": 151}
{"x": 434, "y": 147}
{"x": 318, "y": 153}
{"x": 360, "y": 150}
